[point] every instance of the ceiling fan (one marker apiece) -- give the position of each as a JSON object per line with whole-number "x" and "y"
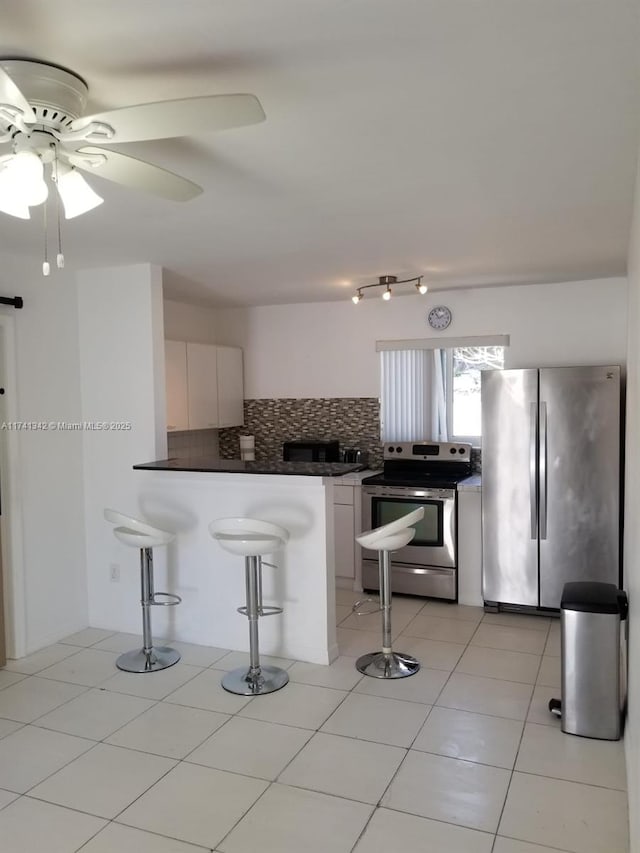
{"x": 42, "y": 118}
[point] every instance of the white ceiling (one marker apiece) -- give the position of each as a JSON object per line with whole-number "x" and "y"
{"x": 475, "y": 141}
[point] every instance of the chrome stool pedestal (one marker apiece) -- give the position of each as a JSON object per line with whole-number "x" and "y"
{"x": 138, "y": 534}
{"x": 251, "y": 537}
{"x": 390, "y": 537}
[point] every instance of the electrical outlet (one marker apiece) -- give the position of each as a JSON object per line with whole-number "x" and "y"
{"x": 114, "y": 572}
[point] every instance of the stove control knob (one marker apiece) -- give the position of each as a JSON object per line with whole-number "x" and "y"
{"x": 452, "y": 450}
{"x": 462, "y": 450}
{"x": 398, "y": 450}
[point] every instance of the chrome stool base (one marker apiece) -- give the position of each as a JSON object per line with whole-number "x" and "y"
{"x": 160, "y": 657}
{"x": 387, "y": 665}
{"x": 267, "y": 680}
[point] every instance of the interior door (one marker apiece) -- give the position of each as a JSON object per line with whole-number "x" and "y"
{"x": 509, "y": 493}
{"x": 579, "y": 497}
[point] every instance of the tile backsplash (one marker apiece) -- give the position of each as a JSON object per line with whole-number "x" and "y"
{"x": 354, "y": 421}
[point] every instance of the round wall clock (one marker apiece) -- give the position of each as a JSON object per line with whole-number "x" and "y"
{"x": 439, "y": 317}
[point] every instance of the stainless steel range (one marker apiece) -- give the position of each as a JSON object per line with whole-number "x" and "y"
{"x": 416, "y": 474}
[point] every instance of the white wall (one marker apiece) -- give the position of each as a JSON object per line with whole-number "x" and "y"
{"x": 52, "y": 585}
{"x": 193, "y": 323}
{"x": 122, "y": 380}
{"x": 632, "y": 529}
{"x": 328, "y": 349}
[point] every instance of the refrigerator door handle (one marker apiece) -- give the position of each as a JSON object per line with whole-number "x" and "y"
{"x": 533, "y": 472}
{"x": 542, "y": 467}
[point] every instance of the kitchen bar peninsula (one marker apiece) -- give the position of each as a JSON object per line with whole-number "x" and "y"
{"x": 186, "y": 495}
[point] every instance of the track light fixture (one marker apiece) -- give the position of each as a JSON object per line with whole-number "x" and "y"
{"x": 386, "y": 281}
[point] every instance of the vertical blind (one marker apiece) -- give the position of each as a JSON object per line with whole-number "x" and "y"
{"x": 413, "y": 400}
{"x": 405, "y": 412}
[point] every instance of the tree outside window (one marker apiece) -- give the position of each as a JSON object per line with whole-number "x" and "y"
{"x": 463, "y": 389}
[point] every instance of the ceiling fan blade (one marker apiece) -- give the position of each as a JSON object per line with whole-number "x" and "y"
{"x": 123, "y": 169}
{"x": 168, "y": 119}
{"x": 12, "y": 96}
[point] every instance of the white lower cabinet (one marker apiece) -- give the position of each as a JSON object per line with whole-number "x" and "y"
{"x": 344, "y": 541}
{"x": 204, "y": 386}
{"x": 470, "y": 548}
{"x": 345, "y": 529}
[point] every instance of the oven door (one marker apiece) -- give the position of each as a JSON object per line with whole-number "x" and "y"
{"x": 427, "y": 565}
{"x": 434, "y": 543}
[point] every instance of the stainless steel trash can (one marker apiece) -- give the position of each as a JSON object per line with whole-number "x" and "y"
{"x": 590, "y": 616}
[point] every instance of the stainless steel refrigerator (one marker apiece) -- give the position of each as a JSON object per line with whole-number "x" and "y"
{"x": 550, "y": 482}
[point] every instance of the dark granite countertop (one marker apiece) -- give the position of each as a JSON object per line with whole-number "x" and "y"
{"x": 236, "y": 466}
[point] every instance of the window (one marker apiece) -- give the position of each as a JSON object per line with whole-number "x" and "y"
{"x": 434, "y": 393}
{"x": 464, "y": 365}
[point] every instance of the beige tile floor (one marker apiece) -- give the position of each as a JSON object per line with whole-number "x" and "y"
{"x": 463, "y": 757}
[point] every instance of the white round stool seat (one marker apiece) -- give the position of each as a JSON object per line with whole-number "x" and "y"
{"x": 142, "y": 540}
{"x": 382, "y": 538}
{"x": 248, "y": 537}
{"x": 390, "y": 542}
{"x": 134, "y": 524}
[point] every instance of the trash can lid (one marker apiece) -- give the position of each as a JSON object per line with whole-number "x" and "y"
{"x": 593, "y": 597}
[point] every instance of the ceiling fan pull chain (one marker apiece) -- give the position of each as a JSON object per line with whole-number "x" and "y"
{"x": 46, "y": 268}
{"x": 60, "y": 255}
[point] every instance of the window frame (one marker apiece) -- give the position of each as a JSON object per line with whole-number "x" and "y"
{"x": 447, "y": 344}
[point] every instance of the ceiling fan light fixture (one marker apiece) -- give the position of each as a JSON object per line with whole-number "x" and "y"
{"x": 22, "y": 183}
{"x": 11, "y": 202}
{"x": 75, "y": 193}
{"x": 42, "y": 117}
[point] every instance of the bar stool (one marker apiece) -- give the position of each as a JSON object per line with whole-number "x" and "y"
{"x": 251, "y": 538}
{"x": 138, "y": 534}
{"x": 389, "y": 537}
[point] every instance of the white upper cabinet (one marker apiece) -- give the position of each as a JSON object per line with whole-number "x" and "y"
{"x": 175, "y": 362}
{"x": 230, "y": 387}
{"x": 204, "y": 386}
